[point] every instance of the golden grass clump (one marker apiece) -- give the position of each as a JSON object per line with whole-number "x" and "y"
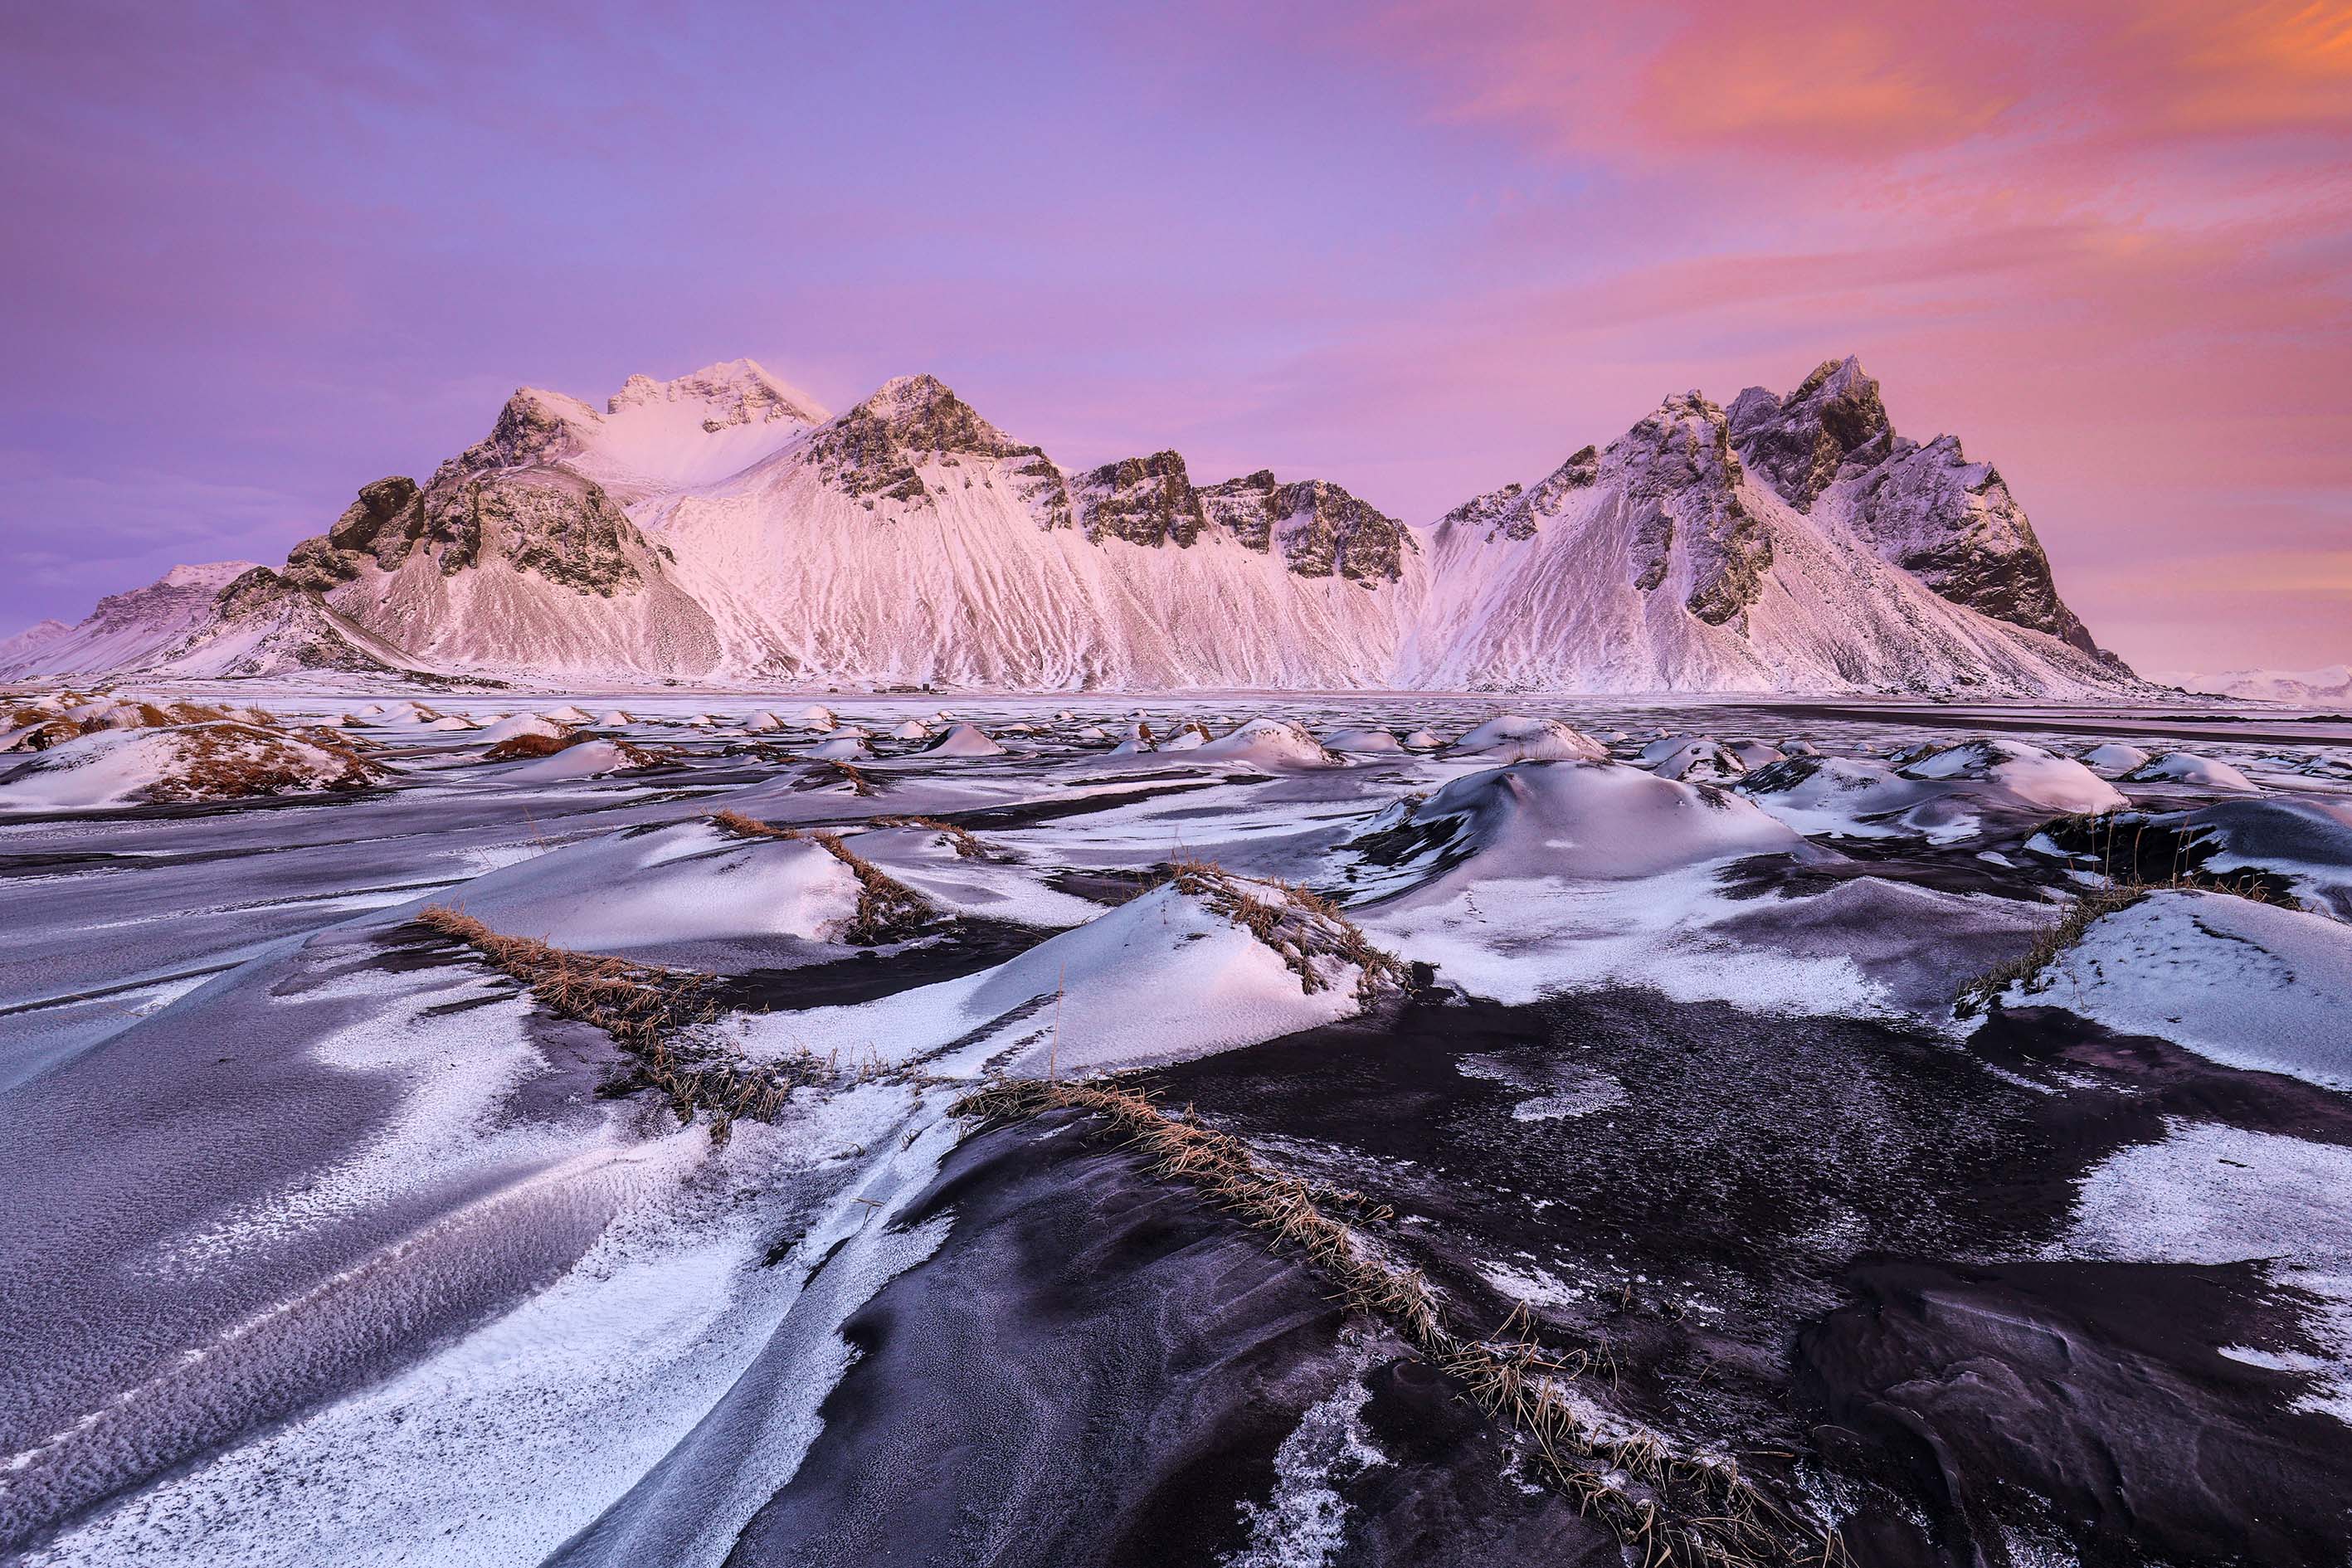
{"x": 888, "y": 909}
{"x": 1295, "y": 922}
{"x": 528, "y": 745}
{"x": 230, "y": 760}
{"x": 643, "y": 1006}
{"x": 1671, "y": 1510}
{"x": 962, "y": 840}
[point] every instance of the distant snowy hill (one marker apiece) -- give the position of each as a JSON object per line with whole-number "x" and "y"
{"x": 2329, "y": 687}
{"x": 724, "y": 528}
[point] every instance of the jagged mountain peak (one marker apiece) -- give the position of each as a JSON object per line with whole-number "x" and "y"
{"x": 1797, "y": 444}
{"x": 736, "y": 391}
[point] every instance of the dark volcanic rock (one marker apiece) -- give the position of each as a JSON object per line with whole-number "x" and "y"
{"x": 1144, "y": 500}
{"x": 1947, "y": 521}
{"x": 1681, "y": 474}
{"x": 1954, "y": 525}
{"x": 1099, "y": 1368}
{"x": 2095, "y": 1387}
{"x": 875, "y": 448}
{"x": 1321, "y": 527}
{"x": 546, "y": 519}
{"x": 1797, "y": 444}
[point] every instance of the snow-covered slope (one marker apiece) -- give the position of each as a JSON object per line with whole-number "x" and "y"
{"x": 721, "y": 528}
{"x": 129, "y": 630}
{"x": 2326, "y": 687}
{"x": 1669, "y": 563}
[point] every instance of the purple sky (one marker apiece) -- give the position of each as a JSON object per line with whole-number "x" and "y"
{"x": 259, "y": 254}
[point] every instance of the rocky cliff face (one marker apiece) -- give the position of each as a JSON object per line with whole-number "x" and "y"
{"x": 1797, "y": 444}
{"x": 1678, "y": 468}
{"x": 265, "y": 623}
{"x": 1790, "y": 543}
{"x": 1926, "y": 509}
{"x": 1144, "y": 500}
{"x": 1319, "y": 529}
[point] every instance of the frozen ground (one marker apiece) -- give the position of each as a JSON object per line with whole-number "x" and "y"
{"x": 329, "y": 1242}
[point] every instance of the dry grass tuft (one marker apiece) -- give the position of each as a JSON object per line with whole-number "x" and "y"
{"x": 1295, "y": 922}
{"x": 888, "y": 909}
{"x": 826, "y": 771}
{"x": 1669, "y": 1510}
{"x": 960, "y": 839}
{"x": 642, "y": 1007}
{"x": 2120, "y": 891}
{"x": 229, "y": 760}
{"x": 529, "y": 745}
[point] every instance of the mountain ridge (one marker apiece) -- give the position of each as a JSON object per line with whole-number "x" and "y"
{"x": 721, "y": 526}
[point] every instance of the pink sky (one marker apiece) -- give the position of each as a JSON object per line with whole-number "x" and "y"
{"x": 263, "y": 254}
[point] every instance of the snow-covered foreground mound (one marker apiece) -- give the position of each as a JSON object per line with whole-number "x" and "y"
{"x": 1203, "y": 963}
{"x": 1567, "y": 821}
{"x": 205, "y": 762}
{"x": 2247, "y": 983}
{"x": 637, "y": 891}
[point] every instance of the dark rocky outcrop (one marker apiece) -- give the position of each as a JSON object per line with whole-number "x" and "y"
{"x": 1144, "y": 500}
{"x": 1953, "y": 525}
{"x": 1949, "y": 522}
{"x": 1320, "y": 527}
{"x": 1681, "y": 475}
{"x": 1797, "y": 444}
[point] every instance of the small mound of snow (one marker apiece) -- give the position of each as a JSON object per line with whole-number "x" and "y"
{"x": 817, "y": 716}
{"x": 1272, "y": 744}
{"x": 588, "y": 760}
{"x": 912, "y": 729}
{"x": 1691, "y": 757}
{"x": 1423, "y": 740}
{"x": 763, "y": 721}
{"x": 842, "y": 749}
{"x": 1834, "y": 795}
{"x": 634, "y": 890}
{"x": 1169, "y": 975}
{"x": 2186, "y": 767}
{"x": 2249, "y": 986}
{"x": 1516, "y": 739}
{"x": 964, "y": 740}
{"x": 2113, "y": 759}
{"x": 2027, "y": 774}
{"x": 1362, "y": 740}
{"x": 1578, "y": 820}
{"x": 1754, "y": 753}
{"x": 615, "y": 719}
{"x": 567, "y": 714}
{"x": 218, "y": 761}
{"x": 525, "y": 724}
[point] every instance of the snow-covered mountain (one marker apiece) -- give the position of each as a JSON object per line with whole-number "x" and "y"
{"x": 724, "y": 528}
{"x": 2327, "y": 687}
{"x": 1790, "y": 543}
{"x": 226, "y": 619}
{"x": 130, "y": 630}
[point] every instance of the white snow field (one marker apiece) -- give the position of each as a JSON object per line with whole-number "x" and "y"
{"x": 652, "y": 1233}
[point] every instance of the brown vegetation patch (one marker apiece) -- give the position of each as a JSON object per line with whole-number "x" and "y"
{"x": 229, "y": 760}
{"x": 1295, "y": 922}
{"x": 960, "y": 840}
{"x": 529, "y": 745}
{"x": 1670, "y": 1509}
{"x": 643, "y": 1006}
